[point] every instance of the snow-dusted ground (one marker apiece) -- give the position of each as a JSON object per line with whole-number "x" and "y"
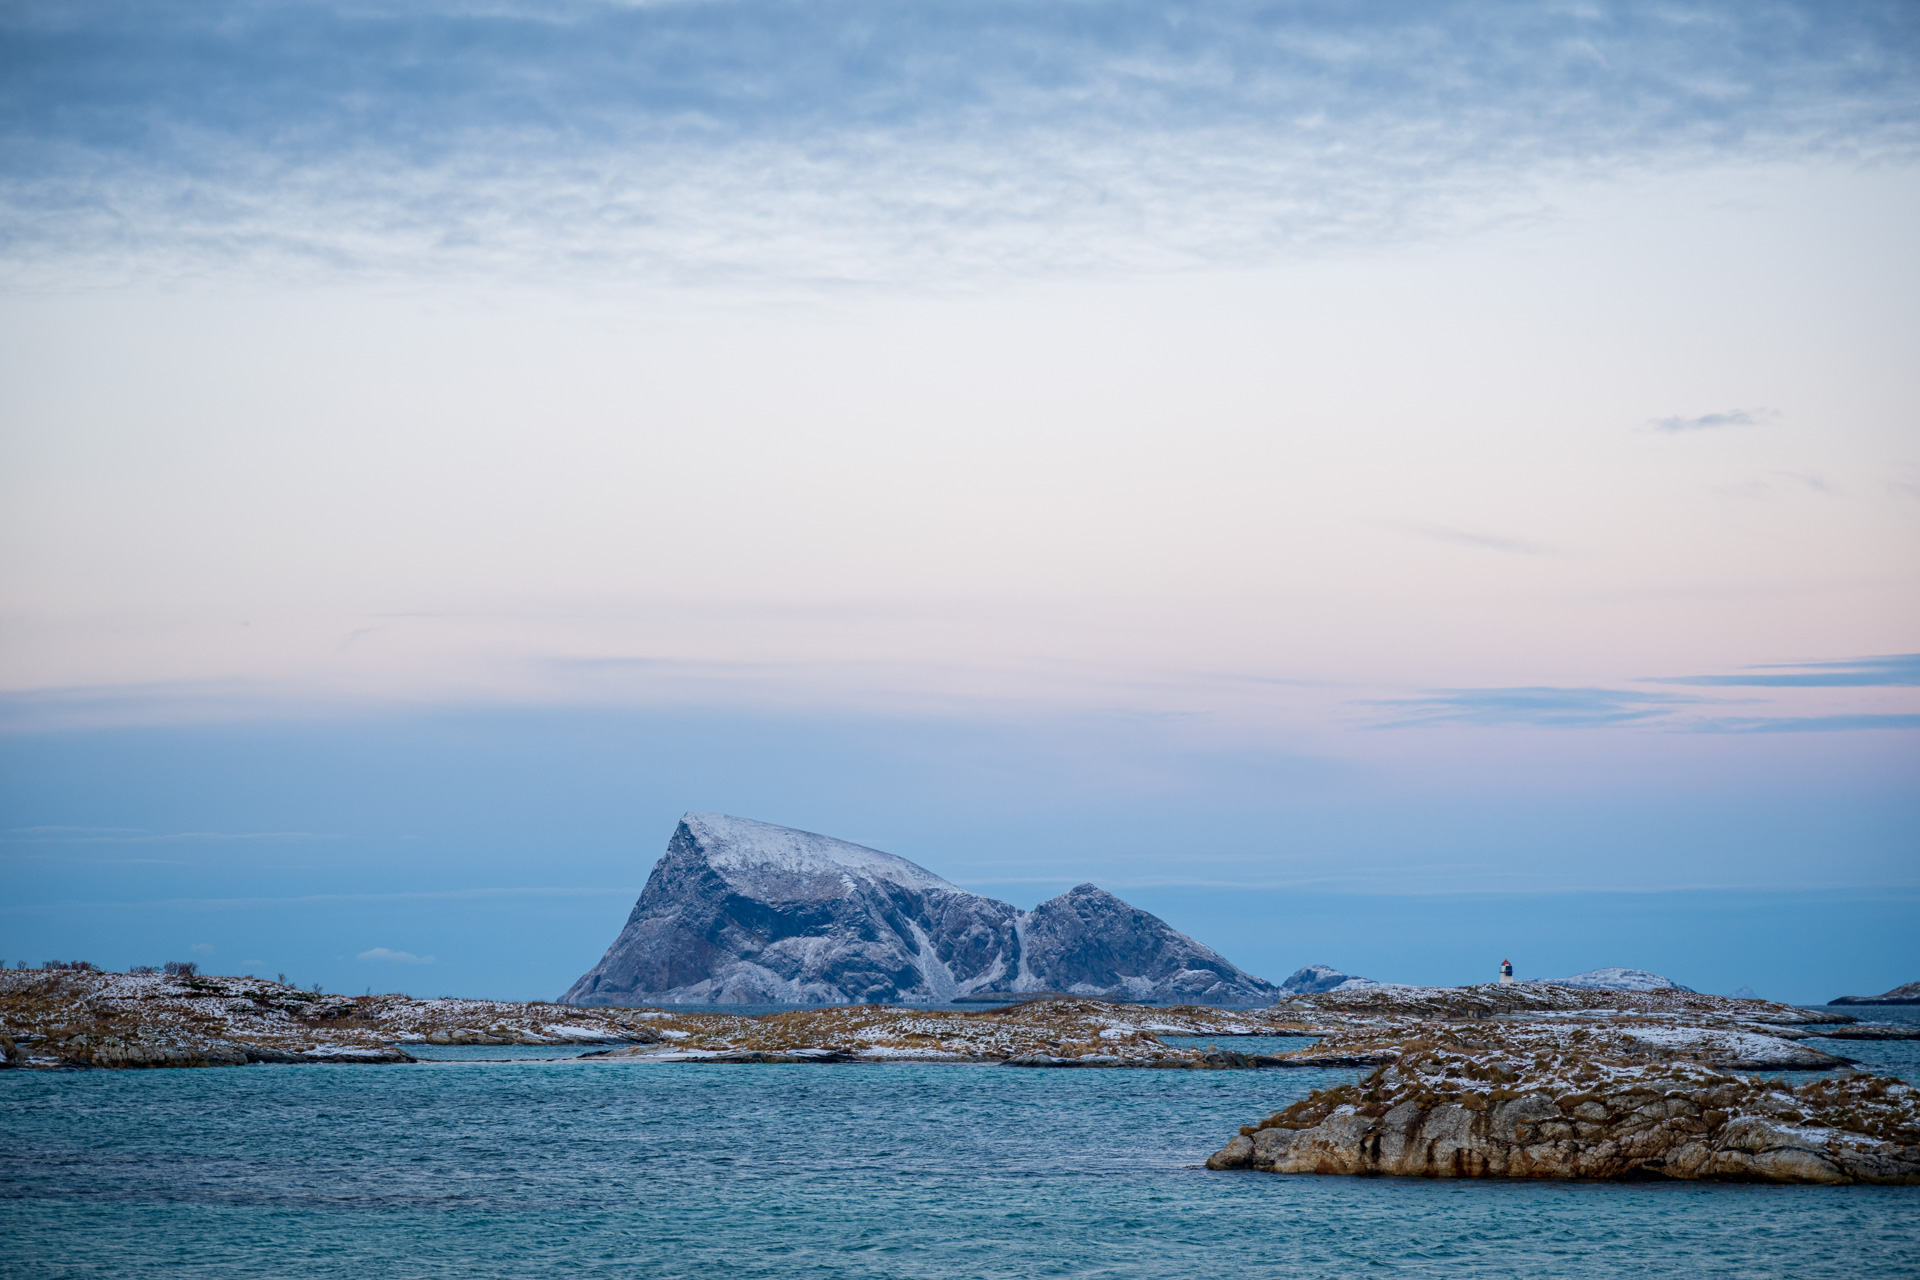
{"x": 1619, "y": 980}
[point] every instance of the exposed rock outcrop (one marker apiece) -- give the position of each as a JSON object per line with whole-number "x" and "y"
{"x": 1730, "y": 1129}
{"x": 741, "y": 912}
{"x": 1908, "y": 993}
{"x": 1486, "y": 1104}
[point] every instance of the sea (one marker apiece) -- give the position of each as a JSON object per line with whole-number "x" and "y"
{"x": 493, "y": 1162}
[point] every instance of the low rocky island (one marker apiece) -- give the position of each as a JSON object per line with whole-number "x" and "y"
{"x": 1909, "y": 993}
{"x": 77, "y": 1019}
{"x": 1515, "y": 1082}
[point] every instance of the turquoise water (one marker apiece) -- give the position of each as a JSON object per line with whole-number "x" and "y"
{"x": 596, "y": 1169}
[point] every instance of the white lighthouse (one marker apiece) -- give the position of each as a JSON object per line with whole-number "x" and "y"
{"x": 1506, "y": 973}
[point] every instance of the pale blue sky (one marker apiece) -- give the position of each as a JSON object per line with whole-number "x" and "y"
{"x": 1315, "y": 469}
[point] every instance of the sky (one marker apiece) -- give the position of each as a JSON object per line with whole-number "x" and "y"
{"x": 1395, "y": 486}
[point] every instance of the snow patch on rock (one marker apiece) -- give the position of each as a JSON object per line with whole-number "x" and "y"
{"x": 1618, "y": 980}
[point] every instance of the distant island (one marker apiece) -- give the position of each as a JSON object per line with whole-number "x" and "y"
{"x": 745, "y": 912}
{"x": 1907, "y": 994}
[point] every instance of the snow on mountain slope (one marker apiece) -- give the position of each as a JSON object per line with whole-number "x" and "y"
{"x": 749, "y": 854}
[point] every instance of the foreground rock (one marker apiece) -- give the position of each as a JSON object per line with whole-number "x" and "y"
{"x": 1641, "y": 1089}
{"x": 1907, "y": 994}
{"x": 743, "y": 912}
{"x": 1441, "y": 1115}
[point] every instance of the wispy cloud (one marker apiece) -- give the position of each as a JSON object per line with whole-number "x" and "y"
{"x": 1478, "y": 541}
{"x": 1808, "y": 724}
{"x": 1898, "y": 670}
{"x": 1769, "y": 490}
{"x": 1707, "y": 421}
{"x": 347, "y": 641}
{"x": 1536, "y": 706}
{"x": 1811, "y": 480}
{"x": 129, "y": 835}
{"x": 1589, "y": 707}
{"x": 249, "y": 904}
{"x": 394, "y": 957}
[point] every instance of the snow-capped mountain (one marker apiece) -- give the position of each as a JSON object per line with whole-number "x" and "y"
{"x": 742, "y": 912}
{"x": 1619, "y": 980}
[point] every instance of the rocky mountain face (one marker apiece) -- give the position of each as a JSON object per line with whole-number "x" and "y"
{"x": 742, "y": 912}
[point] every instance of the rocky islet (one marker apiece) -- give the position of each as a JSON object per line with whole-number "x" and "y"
{"x": 1539, "y": 1081}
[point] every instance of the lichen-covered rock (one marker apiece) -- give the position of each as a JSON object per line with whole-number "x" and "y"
{"x": 1431, "y": 1115}
{"x": 149, "y": 1050}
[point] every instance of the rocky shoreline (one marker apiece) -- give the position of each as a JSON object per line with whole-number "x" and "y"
{"x": 81, "y": 1019}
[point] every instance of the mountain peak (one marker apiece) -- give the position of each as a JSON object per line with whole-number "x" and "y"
{"x": 743, "y": 847}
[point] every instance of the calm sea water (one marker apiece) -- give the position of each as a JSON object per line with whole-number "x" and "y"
{"x": 480, "y": 1169}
